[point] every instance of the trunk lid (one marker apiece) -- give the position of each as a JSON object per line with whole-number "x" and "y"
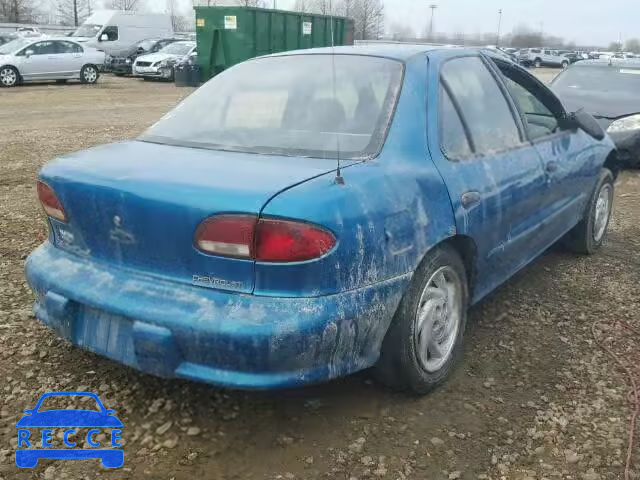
{"x": 138, "y": 205}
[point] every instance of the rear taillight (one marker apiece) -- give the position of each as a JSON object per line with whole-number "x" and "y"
{"x": 50, "y": 202}
{"x": 264, "y": 240}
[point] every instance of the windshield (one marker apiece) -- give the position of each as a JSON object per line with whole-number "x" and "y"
{"x": 288, "y": 105}
{"x": 87, "y": 31}
{"x": 178, "y": 48}
{"x": 13, "y": 46}
{"x": 146, "y": 44}
{"x": 600, "y": 78}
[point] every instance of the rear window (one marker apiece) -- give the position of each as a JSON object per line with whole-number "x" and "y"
{"x": 290, "y": 105}
{"x": 619, "y": 79}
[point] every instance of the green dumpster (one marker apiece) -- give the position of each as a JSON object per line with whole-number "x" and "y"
{"x": 230, "y": 35}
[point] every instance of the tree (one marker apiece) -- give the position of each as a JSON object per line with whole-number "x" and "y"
{"x": 72, "y": 12}
{"x": 124, "y": 4}
{"x": 615, "y": 47}
{"x": 18, "y": 11}
{"x": 369, "y": 19}
{"x": 632, "y": 45}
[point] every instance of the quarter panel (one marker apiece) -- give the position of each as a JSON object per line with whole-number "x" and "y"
{"x": 386, "y": 216}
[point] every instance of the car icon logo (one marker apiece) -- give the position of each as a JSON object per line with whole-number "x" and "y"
{"x": 36, "y": 437}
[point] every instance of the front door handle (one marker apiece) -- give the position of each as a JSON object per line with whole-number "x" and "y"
{"x": 470, "y": 199}
{"x": 552, "y": 167}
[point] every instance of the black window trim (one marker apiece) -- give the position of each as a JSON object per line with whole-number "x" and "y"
{"x": 515, "y": 114}
{"x": 559, "y": 115}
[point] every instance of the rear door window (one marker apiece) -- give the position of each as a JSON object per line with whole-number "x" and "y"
{"x": 482, "y": 105}
{"x": 68, "y": 47}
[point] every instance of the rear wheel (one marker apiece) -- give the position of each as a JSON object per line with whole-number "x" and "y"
{"x": 589, "y": 235}
{"x": 565, "y": 65}
{"x": 9, "y": 77}
{"x": 537, "y": 63}
{"x": 425, "y": 339}
{"x": 89, "y": 74}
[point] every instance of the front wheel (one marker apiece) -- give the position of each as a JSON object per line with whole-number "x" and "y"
{"x": 565, "y": 65}
{"x": 89, "y": 74}
{"x": 425, "y": 338}
{"x": 537, "y": 63}
{"x": 589, "y": 235}
{"x": 9, "y": 77}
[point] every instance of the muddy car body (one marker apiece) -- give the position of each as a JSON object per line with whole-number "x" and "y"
{"x": 299, "y": 226}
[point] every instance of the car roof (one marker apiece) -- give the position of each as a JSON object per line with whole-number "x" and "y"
{"x": 395, "y": 51}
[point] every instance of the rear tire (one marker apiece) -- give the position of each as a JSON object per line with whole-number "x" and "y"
{"x": 589, "y": 235}
{"x": 9, "y": 77}
{"x": 565, "y": 65}
{"x": 89, "y": 74}
{"x": 537, "y": 63}
{"x": 425, "y": 339}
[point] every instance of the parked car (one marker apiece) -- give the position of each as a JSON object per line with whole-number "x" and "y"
{"x": 122, "y": 62}
{"x": 28, "y": 32}
{"x": 30, "y": 59}
{"x": 573, "y": 57}
{"x": 608, "y": 90}
{"x": 115, "y": 31}
{"x": 271, "y": 233}
{"x": 161, "y": 64}
{"x": 6, "y": 38}
{"x": 543, "y": 57}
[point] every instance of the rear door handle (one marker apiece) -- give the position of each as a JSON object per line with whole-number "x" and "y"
{"x": 470, "y": 199}
{"x": 552, "y": 167}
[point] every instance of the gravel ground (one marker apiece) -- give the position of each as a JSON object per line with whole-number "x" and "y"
{"x": 535, "y": 397}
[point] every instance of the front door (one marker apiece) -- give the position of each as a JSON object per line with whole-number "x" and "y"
{"x": 566, "y": 155}
{"x": 39, "y": 61}
{"x": 494, "y": 176}
{"x": 70, "y": 58}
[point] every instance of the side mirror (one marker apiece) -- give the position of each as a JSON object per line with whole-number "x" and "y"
{"x": 104, "y": 37}
{"x": 109, "y": 411}
{"x": 586, "y": 122}
{"x": 29, "y": 410}
{"x": 28, "y": 53}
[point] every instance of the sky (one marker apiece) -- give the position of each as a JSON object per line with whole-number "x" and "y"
{"x": 590, "y": 22}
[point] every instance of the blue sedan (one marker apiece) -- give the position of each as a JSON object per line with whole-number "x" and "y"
{"x": 311, "y": 214}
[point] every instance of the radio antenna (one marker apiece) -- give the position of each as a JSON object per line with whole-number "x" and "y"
{"x": 339, "y": 180}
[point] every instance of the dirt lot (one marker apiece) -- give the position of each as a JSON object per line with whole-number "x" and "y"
{"x": 535, "y": 398}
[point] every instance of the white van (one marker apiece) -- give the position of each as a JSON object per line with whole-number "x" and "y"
{"x": 114, "y": 31}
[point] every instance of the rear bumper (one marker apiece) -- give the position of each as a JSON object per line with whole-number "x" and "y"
{"x": 174, "y": 330}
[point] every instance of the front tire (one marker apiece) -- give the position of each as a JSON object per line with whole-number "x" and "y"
{"x": 588, "y": 236}
{"x": 425, "y": 339}
{"x": 9, "y": 77}
{"x": 565, "y": 65}
{"x": 537, "y": 63}
{"x": 89, "y": 74}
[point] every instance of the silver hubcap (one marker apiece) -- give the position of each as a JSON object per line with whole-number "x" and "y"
{"x": 90, "y": 74}
{"x": 438, "y": 319}
{"x": 602, "y": 212}
{"x": 8, "y": 77}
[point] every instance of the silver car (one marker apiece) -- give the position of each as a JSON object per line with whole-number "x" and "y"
{"x": 30, "y": 59}
{"x": 161, "y": 64}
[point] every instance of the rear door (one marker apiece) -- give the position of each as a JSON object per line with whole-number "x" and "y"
{"x": 69, "y": 57}
{"x": 567, "y": 155}
{"x": 494, "y": 176}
